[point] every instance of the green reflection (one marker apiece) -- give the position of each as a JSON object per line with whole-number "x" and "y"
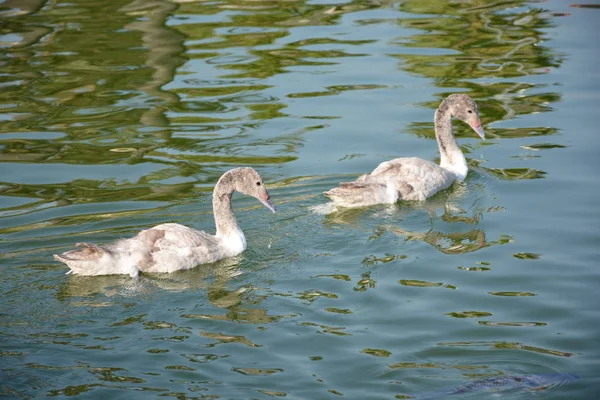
{"x": 515, "y": 174}
{"x": 110, "y": 375}
{"x": 180, "y": 367}
{"x": 122, "y": 91}
{"x": 224, "y": 338}
{"x": 483, "y": 52}
{"x": 365, "y": 282}
{"x": 273, "y": 393}
{"x": 373, "y": 260}
{"x": 513, "y": 294}
{"x": 377, "y": 352}
{"x": 509, "y": 346}
{"x": 338, "y": 310}
{"x": 73, "y": 390}
{"x": 340, "y": 277}
{"x": 527, "y": 256}
{"x": 469, "y": 314}
{"x": 419, "y": 283}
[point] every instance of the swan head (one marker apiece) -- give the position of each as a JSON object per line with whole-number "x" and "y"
{"x": 464, "y": 108}
{"x": 249, "y": 182}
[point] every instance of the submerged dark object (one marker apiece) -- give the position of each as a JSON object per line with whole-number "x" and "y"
{"x": 503, "y": 384}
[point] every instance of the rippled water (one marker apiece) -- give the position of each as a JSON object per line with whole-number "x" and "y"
{"x": 116, "y": 116}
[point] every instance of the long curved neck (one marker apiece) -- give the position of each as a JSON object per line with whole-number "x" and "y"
{"x": 451, "y": 157}
{"x": 224, "y": 219}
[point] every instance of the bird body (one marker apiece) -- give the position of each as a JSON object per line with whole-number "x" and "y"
{"x": 172, "y": 247}
{"x": 412, "y": 178}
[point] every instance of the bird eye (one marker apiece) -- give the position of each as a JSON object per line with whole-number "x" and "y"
{"x": 257, "y": 183}
{"x": 470, "y": 111}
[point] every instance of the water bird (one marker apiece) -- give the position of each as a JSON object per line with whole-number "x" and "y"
{"x": 503, "y": 384}
{"x": 172, "y": 247}
{"x": 412, "y": 178}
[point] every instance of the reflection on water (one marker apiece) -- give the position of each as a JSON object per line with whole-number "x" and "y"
{"x": 509, "y": 346}
{"x": 119, "y": 116}
{"x": 212, "y": 277}
{"x": 448, "y": 243}
{"x": 516, "y": 173}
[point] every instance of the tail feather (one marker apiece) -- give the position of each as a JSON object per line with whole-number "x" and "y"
{"x": 359, "y": 193}
{"x": 90, "y": 260}
{"x": 86, "y": 252}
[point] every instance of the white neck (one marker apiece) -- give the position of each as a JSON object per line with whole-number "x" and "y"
{"x": 234, "y": 241}
{"x": 455, "y": 163}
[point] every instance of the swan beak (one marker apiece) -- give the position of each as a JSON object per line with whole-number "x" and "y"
{"x": 476, "y": 126}
{"x": 266, "y": 200}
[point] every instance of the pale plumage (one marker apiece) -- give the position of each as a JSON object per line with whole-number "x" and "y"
{"x": 412, "y": 178}
{"x": 172, "y": 247}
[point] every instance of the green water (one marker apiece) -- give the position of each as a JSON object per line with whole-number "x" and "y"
{"x": 117, "y": 116}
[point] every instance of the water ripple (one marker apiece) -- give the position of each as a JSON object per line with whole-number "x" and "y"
{"x": 119, "y": 116}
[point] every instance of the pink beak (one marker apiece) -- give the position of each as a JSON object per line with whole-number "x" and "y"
{"x": 266, "y": 200}
{"x": 476, "y": 126}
